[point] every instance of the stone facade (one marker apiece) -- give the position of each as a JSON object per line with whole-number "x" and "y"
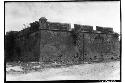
{"x": 56, "y": 42}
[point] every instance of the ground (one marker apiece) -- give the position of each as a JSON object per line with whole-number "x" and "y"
{"x": 40, "y": 72}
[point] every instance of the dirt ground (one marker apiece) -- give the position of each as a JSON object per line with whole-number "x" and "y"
{"x": 43, "y": 72}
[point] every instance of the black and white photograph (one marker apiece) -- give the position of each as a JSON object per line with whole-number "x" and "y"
{"x": 55, "y": 41}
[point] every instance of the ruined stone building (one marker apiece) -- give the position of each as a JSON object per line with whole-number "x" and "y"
{"x": 57, "y": 42}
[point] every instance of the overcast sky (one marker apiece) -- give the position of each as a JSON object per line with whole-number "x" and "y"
{"x": 105, "y": 14}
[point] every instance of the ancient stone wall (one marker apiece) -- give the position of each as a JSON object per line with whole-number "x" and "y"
{"x": 104, "y": 29}
{"x": 23, "y": 45}
{"x": 9, "y": 45}
{"x": 57, "y": 46}
{"x": 83, "y": 28}
{"x": 89, "y": 50}
{"x": 55, "y": 42}
{"x": 98, "y": 47}
{"x": 94, "y": 46}
{"x": 27, "y": 47}
{"x": 58, "y": 26}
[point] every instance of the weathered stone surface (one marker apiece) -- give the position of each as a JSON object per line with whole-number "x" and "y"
{"x": 9, "y": 45}
{"x": 57, "y": 46}
{"x": 53, "y": 42}
{"x": 43, "y": 23}
{"x": 100, "y": 46}
{"x": 84, "y": 28}
{"x": 27, "y": 47}
{"x": 104, "y": 29}
{"x": 58, "y": 26}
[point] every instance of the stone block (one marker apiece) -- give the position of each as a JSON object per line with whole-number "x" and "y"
{"x": 104, "y": 29}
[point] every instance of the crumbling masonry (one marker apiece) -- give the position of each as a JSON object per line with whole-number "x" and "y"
{"x": 57, "y": 42}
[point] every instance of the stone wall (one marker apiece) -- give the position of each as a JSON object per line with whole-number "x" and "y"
{"x": 27, "y": 47}
{"x": 104, "y": 29}
{"x": 89, "y": 49}
{"x": 98, "y": 47}
{"x": 58, "y": 26}
{"x": 83, "y": 28}
{"x": 57, "y": 46}
{"x": 9, "y": 45}
{"x": 23, "y": 45}
{"x": 56, "y": 42}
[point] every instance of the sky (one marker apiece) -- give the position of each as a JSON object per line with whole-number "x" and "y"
{"x": 105, "y": 14}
